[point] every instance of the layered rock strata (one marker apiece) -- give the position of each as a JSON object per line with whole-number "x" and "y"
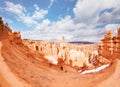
{"x": 110, "y": 45}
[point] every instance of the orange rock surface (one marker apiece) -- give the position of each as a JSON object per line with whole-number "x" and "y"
{"x": 110, "y": 46}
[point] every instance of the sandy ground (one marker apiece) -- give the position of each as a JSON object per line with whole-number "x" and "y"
{"x": 8, "y": 79}
{"x": 114, "y": 79}
{"x": 33, "y": 69}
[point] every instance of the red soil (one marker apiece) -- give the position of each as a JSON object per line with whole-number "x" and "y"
{"x": 33, "y": 69}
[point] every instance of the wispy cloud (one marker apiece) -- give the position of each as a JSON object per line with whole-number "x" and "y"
{"x": 51, "y": 3}
{"x": 90, "y": 11}
{"x": 21, "y": 13}
{"x": 80, "y": 28}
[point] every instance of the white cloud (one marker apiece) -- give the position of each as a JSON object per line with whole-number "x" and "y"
{"x": 36, "y": 7}
{"x": 28, "y": 20}
{"x": 112, "y": 27}
{"x": 64, "y": 27}
{"x": 88, "y": 11}
{"x": 39, "y": 14}
{"x": 16, "y": 9}
{"x": 51, "y": 3}
{"x": 80, "y": 28}
{"x": 43, "y": 25}
{"x": 107, "y": 17}
{"x": 21, "y": 12}
{"x": 48, "y": 30}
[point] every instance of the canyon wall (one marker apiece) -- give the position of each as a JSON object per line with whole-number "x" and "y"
{"x": 7, "y": 34}
{"x": 110, "y": 46}
{"x": 78, "y": 54}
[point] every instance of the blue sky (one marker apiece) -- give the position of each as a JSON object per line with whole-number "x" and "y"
{"x": 76, "y": 20}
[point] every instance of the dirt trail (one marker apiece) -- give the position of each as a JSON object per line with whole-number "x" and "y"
{"x": 7, "y": 79}
{"x": 114, "y": 79}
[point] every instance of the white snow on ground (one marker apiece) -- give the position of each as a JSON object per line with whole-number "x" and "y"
{"x": 95, "y": 70}
{"x": 51, "y": 59}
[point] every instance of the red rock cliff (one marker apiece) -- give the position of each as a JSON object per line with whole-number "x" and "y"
{"x": 110, "y": 45}
{"x": 6, "y": 33}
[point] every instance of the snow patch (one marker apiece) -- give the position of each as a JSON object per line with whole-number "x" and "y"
{"x": 95, "y": 70}
{"x": 51, "y": 59}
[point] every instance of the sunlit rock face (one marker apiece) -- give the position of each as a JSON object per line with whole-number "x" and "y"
{"x": 110, "y": 45}
{"x": 106, "y": 46}
{"x": 6, "y": 33}
{"x": 3, "y": 30}
{"x": 78, "y": 54}
{"x": 78, "y": 58}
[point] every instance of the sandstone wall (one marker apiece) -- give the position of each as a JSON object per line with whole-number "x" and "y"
{"x": 110, "y": 45}
{"x": 6, "y": 33}
{"x": 78, "y": 54}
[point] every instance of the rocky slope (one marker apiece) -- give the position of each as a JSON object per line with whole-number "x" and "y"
{"x": 33, "y": 69}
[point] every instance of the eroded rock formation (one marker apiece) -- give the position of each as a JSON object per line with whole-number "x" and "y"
{"x": 110, "y": 46}
{"x": 78, "y": 54}
{"x": 6, "y": 33}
